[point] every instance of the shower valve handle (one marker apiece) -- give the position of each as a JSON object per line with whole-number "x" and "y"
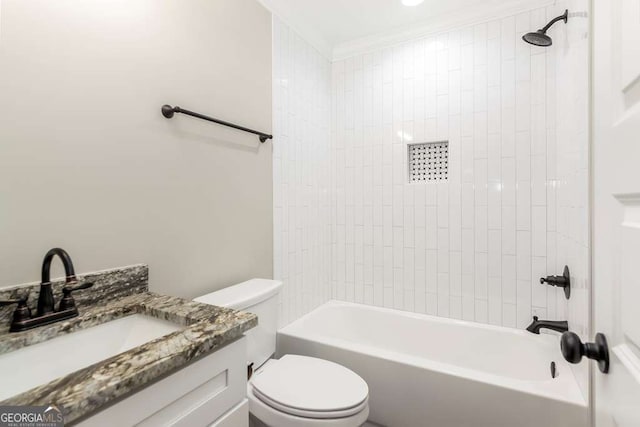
{"x": 563, "y": 281}
{"x": 558, "y": 281}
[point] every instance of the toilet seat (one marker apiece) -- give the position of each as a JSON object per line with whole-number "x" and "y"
{"x": 306, "y": 391}
{"x": 310, "y": 414}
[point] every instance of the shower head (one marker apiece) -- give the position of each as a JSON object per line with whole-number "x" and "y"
{"x": 540, "y": 37}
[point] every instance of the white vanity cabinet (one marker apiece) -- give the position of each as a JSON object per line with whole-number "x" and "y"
{"x": 207, "y": 393}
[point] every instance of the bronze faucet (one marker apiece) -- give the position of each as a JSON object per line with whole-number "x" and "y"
{"x": 46, "y": 312}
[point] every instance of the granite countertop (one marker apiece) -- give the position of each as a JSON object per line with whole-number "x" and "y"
{"x": 206, "y": 329}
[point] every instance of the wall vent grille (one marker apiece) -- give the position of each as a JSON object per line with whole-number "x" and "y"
{"x": 428, "y": 161}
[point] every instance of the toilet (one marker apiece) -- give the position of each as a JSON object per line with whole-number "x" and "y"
{"x": 293, "y": 391}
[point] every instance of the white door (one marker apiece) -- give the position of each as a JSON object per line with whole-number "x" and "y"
{"x": 616, "y": 214}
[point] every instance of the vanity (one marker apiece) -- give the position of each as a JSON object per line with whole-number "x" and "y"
{"x": 129, "y": 356}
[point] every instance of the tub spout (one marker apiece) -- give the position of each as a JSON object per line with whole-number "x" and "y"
{"x": 536, "y": 325}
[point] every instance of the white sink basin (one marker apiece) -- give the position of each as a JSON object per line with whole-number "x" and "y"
{"x": 38, "y": 364}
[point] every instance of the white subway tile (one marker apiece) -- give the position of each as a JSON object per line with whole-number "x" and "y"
{"x": 538, "y": 291}
{"x": 523, "y": 205}
{"x": 481, "y": 229}
{"x": 494, "y": 249}
{"x": 480, "y": 275}
{"x": 468, "y": 308}
{"x": 509, "y": 230}
{"x": 431, "y": 271}
{"x": 509, "y": 315}
{"x": 539, "y": 231}
{"x": 468, "y": 248}
{"x": 481, "y": 311}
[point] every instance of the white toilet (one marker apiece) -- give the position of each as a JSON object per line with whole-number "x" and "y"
{"x": 293, "y": 391}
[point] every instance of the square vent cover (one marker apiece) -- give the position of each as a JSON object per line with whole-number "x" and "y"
{"x": 428, "y": 161}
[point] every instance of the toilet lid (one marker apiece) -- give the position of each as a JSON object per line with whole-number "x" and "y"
{"x": 310, "y": 385}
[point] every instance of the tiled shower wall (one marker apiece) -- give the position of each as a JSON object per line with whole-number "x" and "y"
{"x": 472, "y": 247}
{"x": 572, "y": 179}
{"x": 348, "y": 225}
{"x": 301, "y": 180}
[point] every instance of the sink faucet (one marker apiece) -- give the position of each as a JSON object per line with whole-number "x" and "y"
{"x": 46, "y": 312}
{"x": 45, "y": 300}
{"x": 536, "y": 325}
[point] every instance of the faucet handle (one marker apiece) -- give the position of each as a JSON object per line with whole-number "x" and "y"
{"x": 563, "y": 281}
{"x": 67, "y": 301}
{"x": 68, "y": 289}
{"x": 20, "y": 301}
{"x": 22, "y": 312}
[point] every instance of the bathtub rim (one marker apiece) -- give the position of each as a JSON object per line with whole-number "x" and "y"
{"x": 564, "y": 388}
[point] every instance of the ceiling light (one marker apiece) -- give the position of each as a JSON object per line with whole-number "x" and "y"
{"x": 411, "y": 2}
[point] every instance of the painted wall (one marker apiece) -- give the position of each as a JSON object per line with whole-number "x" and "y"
{"x": 88, "y": 163}
{"x": 472, "y": 247}
{"x": 301, "y": 173}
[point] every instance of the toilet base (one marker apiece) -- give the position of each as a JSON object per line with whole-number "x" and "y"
{"x": 254, "y": 422}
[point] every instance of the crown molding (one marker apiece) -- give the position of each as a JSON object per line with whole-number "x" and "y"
{"x": 311, "y": 36}
{"x": 436, "y": 25}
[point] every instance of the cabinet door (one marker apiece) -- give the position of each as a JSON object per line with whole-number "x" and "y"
{"x": 237, "y": 417}
{"x": 194, "y": 396}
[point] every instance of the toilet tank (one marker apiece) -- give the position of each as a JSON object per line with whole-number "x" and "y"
{"x": 257, "y": 296}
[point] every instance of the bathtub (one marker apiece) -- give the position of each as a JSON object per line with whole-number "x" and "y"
{"x": 435, "y": 372}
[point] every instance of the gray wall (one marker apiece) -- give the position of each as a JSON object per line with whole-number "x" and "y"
{"x": 88, "y": 163}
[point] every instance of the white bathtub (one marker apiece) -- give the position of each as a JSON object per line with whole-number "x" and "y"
{"x": 434, "y": 372}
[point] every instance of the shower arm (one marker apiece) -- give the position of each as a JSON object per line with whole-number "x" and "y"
{"x": 562, "y": 17}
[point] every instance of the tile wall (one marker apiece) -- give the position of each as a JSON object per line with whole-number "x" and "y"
{"x": 475, "y": 246}
{"x": 301, "y": 173}
{"x": 350, "y": 226}
{"x": 573, "y": 248}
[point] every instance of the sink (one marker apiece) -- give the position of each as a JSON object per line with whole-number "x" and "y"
{"x": 38, "y": 364}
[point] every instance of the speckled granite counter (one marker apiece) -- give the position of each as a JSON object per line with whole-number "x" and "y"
{"x": 206, "y": 329}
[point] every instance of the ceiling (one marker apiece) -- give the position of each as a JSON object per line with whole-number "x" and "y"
{"x": 336, "y": 22}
